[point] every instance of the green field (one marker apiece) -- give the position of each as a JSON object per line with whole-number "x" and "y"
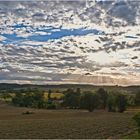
{"x": 64, "y": 123}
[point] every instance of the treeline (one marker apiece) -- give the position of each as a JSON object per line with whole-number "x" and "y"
{"x": 76, "y": 99}
{"x": 100, "y": 99}
{"x": 35, "y": 99}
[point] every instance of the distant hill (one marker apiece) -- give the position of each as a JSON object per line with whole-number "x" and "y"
{"x": 61, "y": 87}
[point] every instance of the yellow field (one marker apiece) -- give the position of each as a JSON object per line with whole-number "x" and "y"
{"x": 54, "y": 95}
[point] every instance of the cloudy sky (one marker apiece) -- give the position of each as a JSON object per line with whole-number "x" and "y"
{"x": 79, "y": 41}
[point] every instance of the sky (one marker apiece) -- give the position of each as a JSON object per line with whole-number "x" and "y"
{"x": 59, "y": 42}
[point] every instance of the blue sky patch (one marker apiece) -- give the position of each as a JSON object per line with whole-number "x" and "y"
{"x": 54, "y": 33}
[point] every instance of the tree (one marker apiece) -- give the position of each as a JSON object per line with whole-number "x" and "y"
{"x": 111, "y": 103}
{"x": 78, "y": 91}
{"x": 38, "y": 100}
{"x": 121, "y": 103}
{"x": 29, "y": 100}
{"x": 89, "y": 101}
{"x": 71, "y": 98}
{"x": 17, "y": 100}
{"x": 131, "y": 100}
{"x": 137, "y": 99}
{"x": 49, "y": 94}
{"x": 103, "y": 97}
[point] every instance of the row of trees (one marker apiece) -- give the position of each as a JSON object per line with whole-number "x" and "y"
{"x": 34, "y": 99}
{"x": 94, "y": 100}
{"x": 75, "y": 99}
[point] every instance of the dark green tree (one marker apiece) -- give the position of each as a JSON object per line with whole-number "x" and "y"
{"x": 38, "y": 100}
{"x": 49, "y": 95}
{"x": 78, "y": 91}
{"x": 72, "y": 98}
{"x": 103, "y": 97}
{"x": 18, "y": 99}
{"x": 111, "y": 103}
{"x": 29, "y": 100}
{"x": 89, "y": 101}
{"x": 121, "y": 103}
{"x": 137, "y": 99}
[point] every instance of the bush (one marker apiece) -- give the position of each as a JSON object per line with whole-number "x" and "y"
{"x": 137, "y": 120}
{"x": 51, "y": 106}
{"x": 27, "y": 113}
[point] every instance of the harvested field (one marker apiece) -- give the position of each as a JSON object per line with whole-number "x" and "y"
{"x": 64, "y": 123}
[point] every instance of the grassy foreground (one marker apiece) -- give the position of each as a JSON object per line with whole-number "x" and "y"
{"x": 64, "y": 124}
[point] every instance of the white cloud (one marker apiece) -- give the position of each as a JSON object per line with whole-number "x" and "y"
{"x": 107, "y": 58}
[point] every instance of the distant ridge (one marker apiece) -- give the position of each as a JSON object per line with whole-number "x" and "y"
{"x": 10, "y": 86}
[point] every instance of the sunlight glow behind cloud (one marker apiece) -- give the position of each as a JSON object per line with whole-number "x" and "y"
{"x": 70, "y": 42}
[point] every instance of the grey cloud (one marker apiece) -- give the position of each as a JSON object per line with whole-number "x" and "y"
{"x": 92, "y": 12}
{"x": 25, "y": 61}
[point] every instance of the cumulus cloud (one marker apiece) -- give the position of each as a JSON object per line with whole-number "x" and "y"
{"x": 70, "y": 42}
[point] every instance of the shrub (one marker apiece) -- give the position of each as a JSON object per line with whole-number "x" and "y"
{"x": 137, "y": 120}
{"x": 27, "y": 113}
{"x": 51, "y": 106}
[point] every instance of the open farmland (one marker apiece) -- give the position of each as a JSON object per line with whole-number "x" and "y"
{"x": 54, "y": 95}
{"x": 64, "y": 123}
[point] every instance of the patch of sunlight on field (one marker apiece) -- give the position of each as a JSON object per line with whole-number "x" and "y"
{"x": 54, "y": 95}
{"x": 7, "y": 97}
{"x": 135, "y": 109}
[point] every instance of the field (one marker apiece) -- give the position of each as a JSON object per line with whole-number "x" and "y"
{"x": 54, "y": 95}
{"x": 64, "y": 123}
